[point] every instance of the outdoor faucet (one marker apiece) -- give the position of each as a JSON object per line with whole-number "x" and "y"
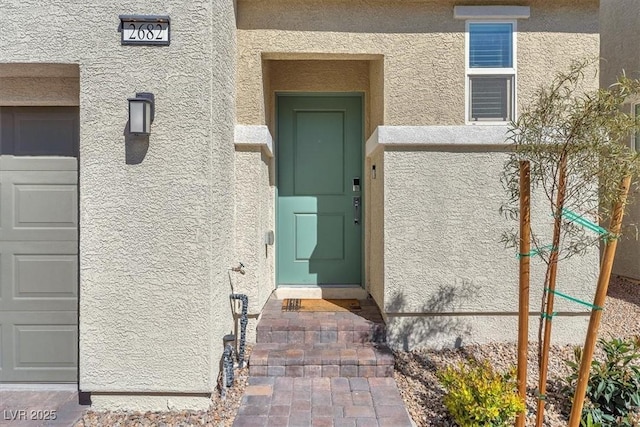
{"x": 239, "y": 268}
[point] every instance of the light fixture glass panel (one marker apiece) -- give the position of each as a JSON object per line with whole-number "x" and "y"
{"x": 136, "y": 117}
{"x": 147, "y": 117}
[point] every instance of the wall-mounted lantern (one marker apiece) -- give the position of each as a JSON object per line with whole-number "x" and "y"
{"x": 141, "y": 113}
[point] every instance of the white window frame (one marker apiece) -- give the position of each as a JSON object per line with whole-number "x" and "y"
{"x": 508, "y": 72}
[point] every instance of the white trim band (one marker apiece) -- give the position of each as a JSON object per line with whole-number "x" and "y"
{"x": 491, "y": 12}
{"x": 254, "y": 135}
{"x": 436, "y": 135}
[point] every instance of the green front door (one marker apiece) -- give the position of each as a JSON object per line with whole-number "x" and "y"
{"x": 319, "y": 225}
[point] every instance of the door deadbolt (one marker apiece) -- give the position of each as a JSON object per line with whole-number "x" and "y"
{"x": 356, "y": 184}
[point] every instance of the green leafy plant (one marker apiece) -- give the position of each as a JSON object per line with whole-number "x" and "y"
{"x": 613, "y": 390}
{"x": 477, "y": 395}
{"x": 588, "y": 422}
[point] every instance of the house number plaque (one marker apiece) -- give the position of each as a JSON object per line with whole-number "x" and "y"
{"x": 145, "y": 30}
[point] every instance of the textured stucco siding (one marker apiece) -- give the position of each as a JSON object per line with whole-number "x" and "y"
{"x": 376, "y": 93}
{"x": 627, "y": 261}
{"x": 557, "y": 33}
{"x": 619, "y": 40}
{"x": 354, "y": 28}
{"x": 423, "y": 47}
{"x": 375, "y": 227}
{"x": 111, "y": 402}
{"x": 39, "y": 91}
{"x": 620, "y": 52}
{"x": 446, "y": 331}
{"x": 314, "y": 76}
{"x": 254, "y": 218}
{"x": 156, "y": 220}
{"x": 221, "y": 70}
{"x": 442, "y": 250}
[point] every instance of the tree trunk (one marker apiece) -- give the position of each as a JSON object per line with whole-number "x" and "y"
{"x": 523, "y": 306}
{"x": 599, "y": 300}
{"x": 553, "y": 272}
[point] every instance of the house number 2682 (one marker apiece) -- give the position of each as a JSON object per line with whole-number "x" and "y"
{"x": 143, "y": 30}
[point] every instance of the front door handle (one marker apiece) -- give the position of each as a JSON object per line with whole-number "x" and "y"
{"x": 356, "y": 210}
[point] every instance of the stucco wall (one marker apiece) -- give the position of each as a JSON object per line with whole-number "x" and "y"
{"x": 620, "y": 51}
{"x": 254, "y": 218}
{"x": 312, "y": 76}
{"x": 423, "y": 48}
{"x": 376, "y": 93}
{"x": 156, "y": 220}
{"x": 627, "y": 261}
{"x": 39, "y": 91}
{"x": 619, "y": 40}
{"x": 375, "y": 202}
{"x": 443, "y": 255}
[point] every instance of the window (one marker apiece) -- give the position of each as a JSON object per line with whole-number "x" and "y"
{"x": 491, "y": 71}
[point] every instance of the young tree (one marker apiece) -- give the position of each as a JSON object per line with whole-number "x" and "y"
{"x": 577, "y": 144}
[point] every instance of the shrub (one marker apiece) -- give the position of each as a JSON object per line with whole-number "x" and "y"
{"x": 477, "y": 395}
{"x": 613, "y": 390}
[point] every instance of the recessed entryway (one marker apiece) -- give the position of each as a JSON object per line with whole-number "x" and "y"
{"x": 291, "y": 75}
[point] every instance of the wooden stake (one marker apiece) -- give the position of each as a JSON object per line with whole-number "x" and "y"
{"x": 523, "y": 306}
{"x": 599, "y": 300}
{"x": 553, "y": 272}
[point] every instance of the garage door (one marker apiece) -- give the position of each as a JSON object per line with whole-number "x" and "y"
{"x": 38, "y": 244}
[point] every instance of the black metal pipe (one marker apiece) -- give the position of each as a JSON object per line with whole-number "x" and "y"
{"x": 227, "y": 367}
{"x": 243, "y": 325}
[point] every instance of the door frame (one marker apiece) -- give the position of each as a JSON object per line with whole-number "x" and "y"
{"x": 361, "y": 96}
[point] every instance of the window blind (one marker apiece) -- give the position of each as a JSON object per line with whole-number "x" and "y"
{"x": 490, "y": 45}
{"x": 490, "y": 98}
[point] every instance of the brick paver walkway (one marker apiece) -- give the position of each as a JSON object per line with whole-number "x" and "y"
{"x": 321, "y": 369}
{"x": 337, "y": 402}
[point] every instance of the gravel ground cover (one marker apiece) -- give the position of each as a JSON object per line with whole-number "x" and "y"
{"x": 415, "y": 371}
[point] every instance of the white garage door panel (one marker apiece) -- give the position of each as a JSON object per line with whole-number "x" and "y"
{"x": 38, "y": 276}
{"x": 38, "y": 205}
{"x": 41, "y": 346}
{"x": 45, "y": 276}
{"x": 45, "y": 206}
{"x": 38, "y": 244}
